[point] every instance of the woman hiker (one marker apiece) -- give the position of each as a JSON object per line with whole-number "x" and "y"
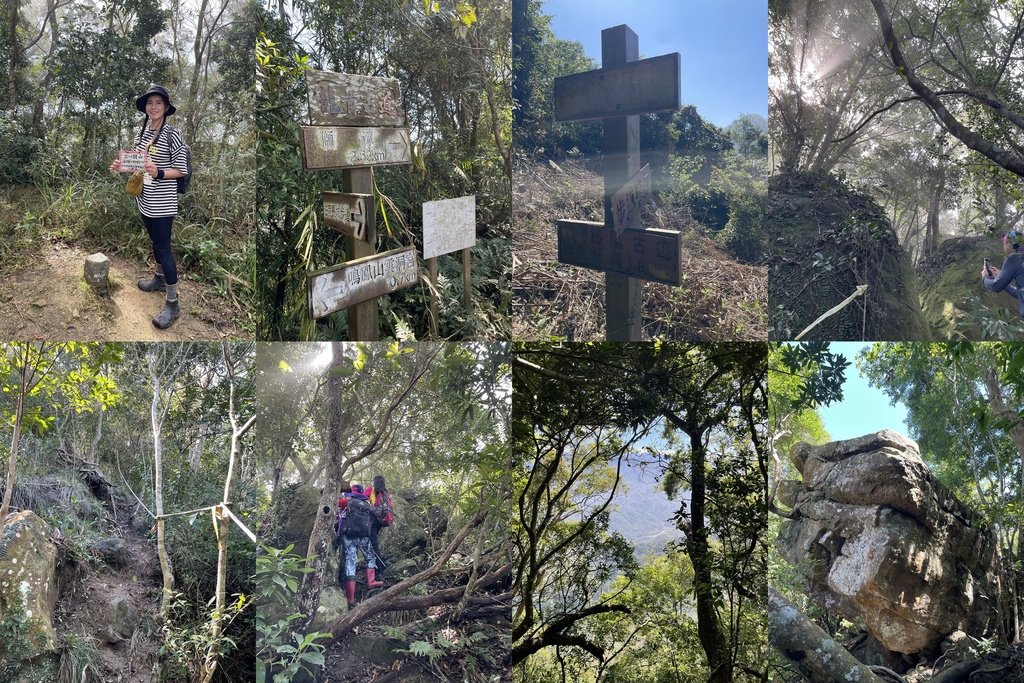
{"x": 1009, "y": 278}
{"x": 158, "y": 201}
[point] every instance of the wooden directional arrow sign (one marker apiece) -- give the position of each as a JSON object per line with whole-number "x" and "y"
{"x": 327, "y": 147}
{"x": 337, "y": 99}
{"x": 637, "y": 87}
{"x": 341, "y": 286}
{"x": 628, "y": 201}
{"x": 346, "y": 212}
{"x": 653, "y": 255}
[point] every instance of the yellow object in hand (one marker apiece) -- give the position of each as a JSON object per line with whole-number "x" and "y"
{"x": 134, "y": 185}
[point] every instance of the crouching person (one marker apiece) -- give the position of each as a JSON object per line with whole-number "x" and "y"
{"x": 354, "y": 530}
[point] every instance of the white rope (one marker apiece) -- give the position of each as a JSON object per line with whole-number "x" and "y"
{"x": 241, "y": 526}
{"x": 832, "y": 311}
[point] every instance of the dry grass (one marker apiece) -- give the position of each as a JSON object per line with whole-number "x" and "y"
{"x": 720, "y": 299}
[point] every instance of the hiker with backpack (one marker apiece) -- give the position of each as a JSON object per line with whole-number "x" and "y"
{"x": 354, "y": 529}
{"x": 383, "y": 516}
{"x": 167, "y": 172}
{"x": 1009, "y": 278}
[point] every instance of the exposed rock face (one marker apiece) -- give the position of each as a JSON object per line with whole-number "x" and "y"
{"x": 28, "y": 563}
{"x": 886, "y": 545}
{"x": 295, "y": 510}
{"x": 112, "y": 551}
{"x": 117, "y": 620}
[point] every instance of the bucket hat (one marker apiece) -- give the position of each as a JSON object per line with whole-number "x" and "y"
{"x": 154, "y": 89}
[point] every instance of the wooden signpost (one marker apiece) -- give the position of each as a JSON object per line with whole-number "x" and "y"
{"x": 618, "y": 93}
{"x": 449, "y": 225}
{"x": 346, "y": 212}
{"x": 330, "y": 147}
{"x": 630, "y": 199}
{"x": 354, "y": 282}
{"x": 357, "y": 124}
{"x": 351, "y": 100}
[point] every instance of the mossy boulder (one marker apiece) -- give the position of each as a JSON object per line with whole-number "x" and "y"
{"x": 295, "y": 509}
{"x": 951, "y": 289}
{"x": 827, "y": 239}
{"x": 28, "y": 584}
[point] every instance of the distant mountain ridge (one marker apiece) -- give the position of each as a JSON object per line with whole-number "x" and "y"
{"x": 643, "y": 513}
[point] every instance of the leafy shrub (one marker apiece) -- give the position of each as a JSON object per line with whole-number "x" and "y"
{"x": 277, "y": 581}
{"x": 17, "y": 147}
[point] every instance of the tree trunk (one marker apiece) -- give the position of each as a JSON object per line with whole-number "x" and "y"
{"x": 156, "y": 423}
{"x": 12, "y": 461}
{"x": 709, "y": 626}
{"x": 811, "y": 651}
{"x": 12, "y": 74}
{"x": 222, "y": 526}
{"x": 327, "y": 512}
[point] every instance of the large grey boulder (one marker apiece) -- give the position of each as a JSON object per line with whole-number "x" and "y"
{"x": 885, "y": 544}
{"x": 28, "y": 563}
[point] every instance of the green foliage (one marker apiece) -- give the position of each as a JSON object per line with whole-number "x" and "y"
{"x": 184, "y": 647}
{"x": 17, "y": 148}
{"x": 80, "y": 659}
{"x": 449, "y": 643}
{"x": 278, "y": 574}
{"x": 15, "y": 645}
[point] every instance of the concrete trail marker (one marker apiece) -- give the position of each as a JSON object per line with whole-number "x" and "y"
{"x": 333, "y": 289}
{"x": 337, "y": 99}
{"x": 619, "y": 92}
{"x": 330, "y": 147}
{"x": 346, "y": 212}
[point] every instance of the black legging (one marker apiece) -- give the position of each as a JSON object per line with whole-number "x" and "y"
{"x": 381, "y": 564}
{"x": 159, "y": 230}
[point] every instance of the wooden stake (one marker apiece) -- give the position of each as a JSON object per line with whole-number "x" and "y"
{"x": 434, "y": 326}
{"x": 467, "y": 280}
{"x": 623, "y": 294}
{"x": 363, "y": 324}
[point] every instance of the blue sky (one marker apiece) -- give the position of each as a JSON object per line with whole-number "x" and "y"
{"x": 863, "y": 409}
{"x": 723, "y": 43}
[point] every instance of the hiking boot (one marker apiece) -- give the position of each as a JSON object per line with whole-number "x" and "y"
{"x": 167, "y": 315}
{"x": 350, "y": 592}
{"x": 371, "y": 578}
{"x": 153, "y": 284}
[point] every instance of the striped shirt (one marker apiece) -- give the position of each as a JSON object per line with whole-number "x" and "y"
{"x": 160, "y": 197}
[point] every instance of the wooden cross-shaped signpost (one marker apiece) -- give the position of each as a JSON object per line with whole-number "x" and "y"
{"x": 357, "y": 123}
{"x": 619, "y": 92}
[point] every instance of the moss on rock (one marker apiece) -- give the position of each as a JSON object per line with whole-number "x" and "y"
{"x": 826, "y": 240}
{"x": 951, "y": 288}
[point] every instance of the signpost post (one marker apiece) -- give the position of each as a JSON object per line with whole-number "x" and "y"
{"x": 618, "y": 93}
{"x": 357, "y": 124}
{"x": 448, "y": 225}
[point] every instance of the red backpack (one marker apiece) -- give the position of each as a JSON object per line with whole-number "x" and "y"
{"x": 382, "y": 506}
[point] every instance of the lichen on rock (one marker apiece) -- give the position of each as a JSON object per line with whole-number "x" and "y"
{"x": 882, "y": 542}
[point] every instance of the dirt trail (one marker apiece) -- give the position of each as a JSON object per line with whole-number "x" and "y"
{"x": 49, "y": 299}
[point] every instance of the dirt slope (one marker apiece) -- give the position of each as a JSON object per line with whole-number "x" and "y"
{"x": 49, "y": 299}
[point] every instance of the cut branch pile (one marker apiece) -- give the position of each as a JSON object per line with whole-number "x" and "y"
{"x": 720, "y": 298}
